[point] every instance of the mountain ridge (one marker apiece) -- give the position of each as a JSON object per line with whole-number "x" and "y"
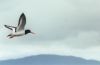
{"x": 50, "y": 60}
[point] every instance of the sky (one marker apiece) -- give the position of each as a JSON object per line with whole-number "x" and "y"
{"x": 62, "y": 27}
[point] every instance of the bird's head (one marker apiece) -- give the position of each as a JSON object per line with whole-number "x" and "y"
{"x": 28, "y": 31}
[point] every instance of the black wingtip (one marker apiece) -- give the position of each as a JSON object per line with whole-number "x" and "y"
{"x": 22, "y": 14}
{"x": 5, "y": 25}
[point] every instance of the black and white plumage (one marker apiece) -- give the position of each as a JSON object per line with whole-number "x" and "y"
{"x": 19, "y": 30}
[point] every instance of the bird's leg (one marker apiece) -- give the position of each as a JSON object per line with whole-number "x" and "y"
{"x": 9, "y": 35}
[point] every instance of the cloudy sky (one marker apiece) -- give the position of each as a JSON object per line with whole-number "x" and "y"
{"x": 62, "y": 27}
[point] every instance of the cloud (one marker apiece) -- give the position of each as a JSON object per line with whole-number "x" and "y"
{"x": 63, "y": 27}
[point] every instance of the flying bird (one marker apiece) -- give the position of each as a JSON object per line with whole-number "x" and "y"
{"x": 20, "y": 29}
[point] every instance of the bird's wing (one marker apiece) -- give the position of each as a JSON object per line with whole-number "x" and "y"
{"x": 9, "y": 27}
{"x": 22, "y": 22}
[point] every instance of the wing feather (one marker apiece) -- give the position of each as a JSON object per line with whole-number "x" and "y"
{"x": 22, "y": 22}
{"x": 9, "y": 27}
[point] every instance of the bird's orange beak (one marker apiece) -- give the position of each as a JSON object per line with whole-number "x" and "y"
{"x": 33, "y": 33}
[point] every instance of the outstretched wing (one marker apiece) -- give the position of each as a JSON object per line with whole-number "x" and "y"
{"x": 22, "y": 22}
{"x": 11, "y": 27}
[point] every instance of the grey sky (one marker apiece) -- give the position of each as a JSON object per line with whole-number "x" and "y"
{"x": 60, "y": 25}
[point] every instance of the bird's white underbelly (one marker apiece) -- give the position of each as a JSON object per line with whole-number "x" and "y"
{"x": 19, "y": 33}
